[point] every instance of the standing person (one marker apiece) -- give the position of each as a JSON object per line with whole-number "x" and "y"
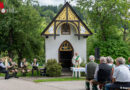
{"x": 102, "y": 74}
{"x": 90, "y": 70}
{"x": 76, "y": 60}
{"x": 35, "y": 66}
{"x": 121, "y": 76}
{"x": 24, "y": 66}
{"x": 12, "y": 67}
{"x": 3, "y": 69}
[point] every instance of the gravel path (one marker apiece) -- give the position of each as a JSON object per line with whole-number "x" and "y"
{"x": 20, "y": 84}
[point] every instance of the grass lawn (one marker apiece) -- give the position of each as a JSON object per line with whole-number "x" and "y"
{"x": 58, "y": 79}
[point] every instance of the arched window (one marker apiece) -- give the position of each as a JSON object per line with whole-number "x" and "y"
{"x": 65, "y": 29}
{"x": 66, "y": 46}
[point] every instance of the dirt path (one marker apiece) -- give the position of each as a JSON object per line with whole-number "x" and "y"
{"x": 19, "y": 84}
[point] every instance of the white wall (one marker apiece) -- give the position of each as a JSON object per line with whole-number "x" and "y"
{"x": 52, "y": 46}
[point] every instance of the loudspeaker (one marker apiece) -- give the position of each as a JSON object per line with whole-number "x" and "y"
{"x": 97, "y": 53}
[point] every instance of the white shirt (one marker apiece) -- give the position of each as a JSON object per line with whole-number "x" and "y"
{"x": 96, "y": 71}
{"x": 74, "y": 60}
{"x": 2, "y": 65}
{"x": 122, "y": 74}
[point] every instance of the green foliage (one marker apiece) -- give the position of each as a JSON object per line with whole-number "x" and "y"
{"x": 53, "y": 68}
{"x": 3, "y": 54}
{"x": 83, "y": 64}
{"x": 108, "y": 20}
{"x": 113, "y": 48}
{"x": 20, "y": 30}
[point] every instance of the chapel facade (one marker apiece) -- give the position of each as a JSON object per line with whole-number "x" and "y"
{"x": 65, "y": 35}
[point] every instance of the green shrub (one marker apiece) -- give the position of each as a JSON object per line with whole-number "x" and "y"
{"x": 113, "y": 48}
{"x": 83, "y": 64}
{"x": 53, "y": 68}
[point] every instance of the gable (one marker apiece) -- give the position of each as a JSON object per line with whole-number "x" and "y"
{"x": 67, "y": 15}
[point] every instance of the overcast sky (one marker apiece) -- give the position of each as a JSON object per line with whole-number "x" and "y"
{"x": 54, "y": 2}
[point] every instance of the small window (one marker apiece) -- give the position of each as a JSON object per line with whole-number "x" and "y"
{"x": 65, "y": 29}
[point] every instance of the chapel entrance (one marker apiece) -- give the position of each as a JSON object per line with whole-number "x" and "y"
{"x": 66, "y": 54}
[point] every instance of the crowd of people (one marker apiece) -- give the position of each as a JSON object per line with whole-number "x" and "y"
{"x": 108, "y": 75}
{"x": 7, "y": 65}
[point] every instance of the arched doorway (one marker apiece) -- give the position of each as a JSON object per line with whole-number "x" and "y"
{"x": 66, "y": 53}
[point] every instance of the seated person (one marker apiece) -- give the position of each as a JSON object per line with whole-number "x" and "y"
{"x": 3, "y": 69}
{"x": 102, "y": 74}
{"x": 24, "y": 67}
{"x": 110, "y": 63}
{"x": 90, "y": 70}
{"x": 35, "y": 66}
{"x": 12, "y": 67}
{"x": 121, "y": 76}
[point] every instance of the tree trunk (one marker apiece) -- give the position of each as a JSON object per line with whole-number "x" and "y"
{"x": 124, "y": 33}
{"x": 20, "y": 57}
{"x": 10, "y": 42}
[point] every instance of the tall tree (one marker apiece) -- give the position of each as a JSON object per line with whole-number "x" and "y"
{"x": 106, "y": 18}
{"x": 20, "y": 30}
{"x": 103, "y": 14}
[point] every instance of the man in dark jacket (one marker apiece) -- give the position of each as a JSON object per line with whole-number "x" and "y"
{"x": 90, "y": 70}
{"x": 3, "y": 69}
{"x": 102, "y": 73}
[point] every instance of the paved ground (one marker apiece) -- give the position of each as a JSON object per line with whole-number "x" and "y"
{"x": 19, "y": 84}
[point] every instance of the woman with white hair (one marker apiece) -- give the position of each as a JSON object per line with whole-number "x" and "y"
{"x": 110, "y": 62}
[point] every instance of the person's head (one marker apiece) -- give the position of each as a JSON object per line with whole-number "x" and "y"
{"x": 76, "y": 54}
{"x": 10, "y": 59}
{"x": 110, "y": 59}
{"x": 103, "y": 60}
{"x": 120, "y": 61}
{"x": 91, "y": 58}
{"x": 35, "y": 60}
{"x": 129, "y": 59}
{"x": 24, "y": 59}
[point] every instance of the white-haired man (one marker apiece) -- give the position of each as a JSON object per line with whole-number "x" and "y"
{"x": 121, "y": 76}
{"x": 102, "y": 73}
{"x": 90, "y": 70}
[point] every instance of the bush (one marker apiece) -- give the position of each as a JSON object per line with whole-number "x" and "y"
{"x": 53, "y": 68}
{"x": 113, "y": 48}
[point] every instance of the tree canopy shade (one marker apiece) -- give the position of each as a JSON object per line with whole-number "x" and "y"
{"x": 20, "y": 30}
{"x": 107, "y": 18}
